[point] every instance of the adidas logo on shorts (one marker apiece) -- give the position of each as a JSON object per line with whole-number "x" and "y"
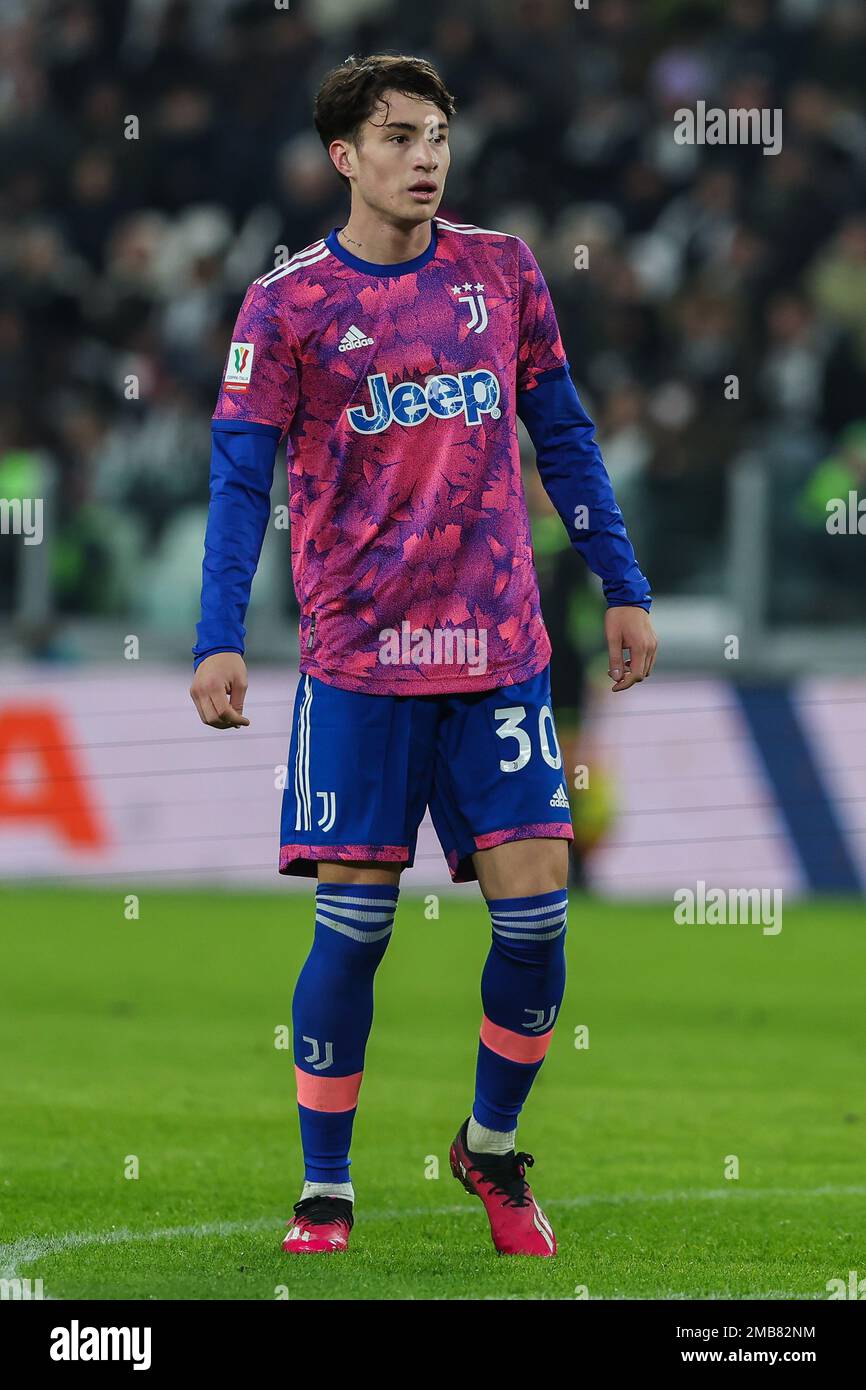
{"x": 354, "y": 338}
{"x": 560, "y": 797}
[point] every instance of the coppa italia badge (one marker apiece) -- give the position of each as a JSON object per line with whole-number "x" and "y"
{"x": 239, "y": 367}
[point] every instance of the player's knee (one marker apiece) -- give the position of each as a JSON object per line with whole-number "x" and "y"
{"x": 530, "y": 931}
{"x": 347, "y": 955}
{"x": 353, "y": 927}
{"x": 539, "y": 950}
{"x": 534, "y": 953}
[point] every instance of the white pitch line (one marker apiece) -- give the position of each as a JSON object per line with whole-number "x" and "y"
{"x": 31, "y": 1248}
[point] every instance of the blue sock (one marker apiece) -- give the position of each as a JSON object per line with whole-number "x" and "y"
{"x": 332, "y": 1013}
{"x": 521, "y": 990}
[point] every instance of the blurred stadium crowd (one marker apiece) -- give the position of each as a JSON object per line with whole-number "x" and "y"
{"x": 123, "y": 261}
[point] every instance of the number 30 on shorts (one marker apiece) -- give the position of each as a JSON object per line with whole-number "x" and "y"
{"x": 513, "y": 717}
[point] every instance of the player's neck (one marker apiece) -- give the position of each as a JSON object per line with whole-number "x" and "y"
{"x": 370, "y": 238}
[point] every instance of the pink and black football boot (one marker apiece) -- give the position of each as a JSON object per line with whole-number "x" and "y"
{"x": 517, "y": 1223}
{"x": 320, "y": 1226}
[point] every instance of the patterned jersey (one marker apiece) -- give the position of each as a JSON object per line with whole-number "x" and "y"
{"x": 396, "y": 387}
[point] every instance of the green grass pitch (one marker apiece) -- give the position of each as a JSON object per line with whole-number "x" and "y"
{"x": 155, "y": 1038}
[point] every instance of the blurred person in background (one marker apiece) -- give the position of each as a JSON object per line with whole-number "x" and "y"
{"x": 573, "y": 124}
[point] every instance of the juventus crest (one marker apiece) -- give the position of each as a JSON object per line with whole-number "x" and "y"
{"x": 477, "y": 307}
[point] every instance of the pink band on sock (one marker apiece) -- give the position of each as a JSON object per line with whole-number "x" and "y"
{"x": 329, "y": 1093}
{"x": 515, "y": 1046}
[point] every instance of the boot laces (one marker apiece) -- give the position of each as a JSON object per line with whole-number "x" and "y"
{"x": 506, "y": 1176}
{"x": 322, "y": 1211}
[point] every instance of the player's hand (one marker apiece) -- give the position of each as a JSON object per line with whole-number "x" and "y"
{"x": 629, "y": 630}
{"x": 218, "y": 689}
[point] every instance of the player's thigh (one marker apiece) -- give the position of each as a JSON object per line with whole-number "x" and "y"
{"x": 341, "y": 871}
{"x": 522, "y": 868}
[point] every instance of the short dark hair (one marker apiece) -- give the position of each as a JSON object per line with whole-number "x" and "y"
{"x": 349, "y": 94}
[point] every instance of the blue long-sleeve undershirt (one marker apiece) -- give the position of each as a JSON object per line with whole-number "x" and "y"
{"x": 241, "y": 475}
{"x": 574, "y": 476}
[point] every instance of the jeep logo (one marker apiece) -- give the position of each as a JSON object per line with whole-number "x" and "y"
{"x": 471, "y": 394}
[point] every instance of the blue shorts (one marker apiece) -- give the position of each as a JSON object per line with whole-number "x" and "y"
{"x": 363, "y": 769}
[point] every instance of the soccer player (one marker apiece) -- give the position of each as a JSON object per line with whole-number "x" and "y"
{"x": 393, "y": 357}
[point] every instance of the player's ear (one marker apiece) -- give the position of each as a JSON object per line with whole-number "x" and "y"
{"x": 341, "y": 155}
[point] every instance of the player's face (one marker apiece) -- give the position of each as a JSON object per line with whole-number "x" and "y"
{"x": 401, "y": 160}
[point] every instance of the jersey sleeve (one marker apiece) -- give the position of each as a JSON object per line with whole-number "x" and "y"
{"x": 539, "y": 347}
{"x": 260, "y": 378}
{"x": 577, "y": 483}
{"x": 241, "y": 476}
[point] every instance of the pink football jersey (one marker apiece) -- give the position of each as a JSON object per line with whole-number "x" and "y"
{"x": 396, "y": 387}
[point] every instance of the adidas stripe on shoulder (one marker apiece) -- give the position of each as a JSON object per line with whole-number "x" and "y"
{"x": 317, "y": 251}
{"x": 469, "y": 229}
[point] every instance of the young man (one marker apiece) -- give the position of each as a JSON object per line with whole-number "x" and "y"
{"x": 394, "y": 355}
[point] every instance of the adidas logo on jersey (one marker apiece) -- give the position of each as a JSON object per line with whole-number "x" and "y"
{"x": 560, "y": 797}
{"x": 354, "y": 338}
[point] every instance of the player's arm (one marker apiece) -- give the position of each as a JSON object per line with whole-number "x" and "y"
{"x": 576, "y": 480}
{"x": 256, "y": 400}
{"x": 241, "y": 474}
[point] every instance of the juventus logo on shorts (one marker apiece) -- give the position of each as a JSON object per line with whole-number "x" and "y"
{"x": 329, "y": 810}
